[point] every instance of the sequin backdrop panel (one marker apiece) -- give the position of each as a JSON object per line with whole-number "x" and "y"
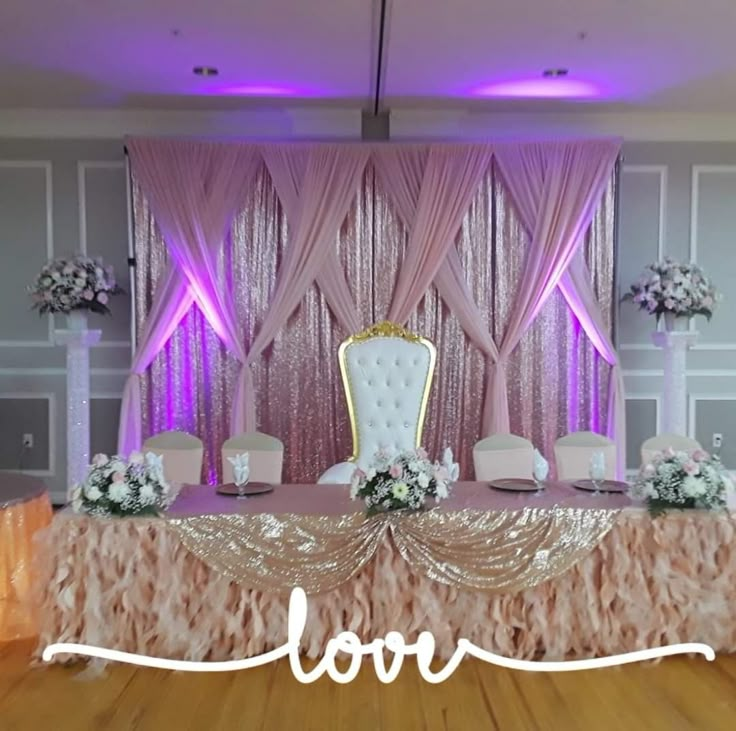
{"x": 299, "y": 392}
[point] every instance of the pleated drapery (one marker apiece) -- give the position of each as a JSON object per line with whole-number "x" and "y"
{"x": 350, "y": 254}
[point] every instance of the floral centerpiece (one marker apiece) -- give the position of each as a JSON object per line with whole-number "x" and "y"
{"x": 114, "y": 487}
{"x": 403, "y": 481}
{"x": 678, "y": 480}
{"x": 78, "y": 283}
{"x": 674, "y": 290}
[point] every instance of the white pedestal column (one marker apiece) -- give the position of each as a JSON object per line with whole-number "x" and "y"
{"x": 77, "y": 343}
{"x": 674, "y": 394}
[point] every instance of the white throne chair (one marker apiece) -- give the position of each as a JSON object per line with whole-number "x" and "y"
{"x": 387, "y": 374}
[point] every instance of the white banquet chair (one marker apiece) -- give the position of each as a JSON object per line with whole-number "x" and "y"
{"x": 387, "y": 374}
{"x": 503, "y": 456}
{"x": 265, "y": 460}
{"x": 652, "y": 446}
{"x": 183, "y": 455}
{"x": 573, "y": 453}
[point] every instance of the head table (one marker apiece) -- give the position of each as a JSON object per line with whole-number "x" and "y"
{"x": 558, "y": 575}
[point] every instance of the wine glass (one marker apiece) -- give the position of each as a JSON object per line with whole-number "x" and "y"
{"x": 597, "y": 470}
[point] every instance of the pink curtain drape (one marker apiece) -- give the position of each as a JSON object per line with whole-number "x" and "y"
{"x": 195, "y": 190}
{"x": 556, "y": 188}
{"x": 450, "y": 179}
{"x": 576, "y": 287}
{"x": 287, "y": 170}
{"x": 401, "y": 171}
{"x": 172, "y": 302}
{"x": 329, "y": 183}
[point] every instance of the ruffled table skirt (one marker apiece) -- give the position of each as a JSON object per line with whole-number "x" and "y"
{"x": 134, "y": 585}
{"x": 20, "y": 519}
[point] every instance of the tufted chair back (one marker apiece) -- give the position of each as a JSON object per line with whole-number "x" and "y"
{"x": 387, "y": 373}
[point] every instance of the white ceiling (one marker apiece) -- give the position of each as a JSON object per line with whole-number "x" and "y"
{"x": 634, "y": 54}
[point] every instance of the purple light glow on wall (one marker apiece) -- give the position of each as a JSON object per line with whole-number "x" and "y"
{"x": 540, "y": 89}
{"x": 259, "y": 90}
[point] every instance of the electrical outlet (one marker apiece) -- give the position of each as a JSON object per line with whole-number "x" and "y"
{"x": 717, "y": 441}
{"x": 28, "y": 441}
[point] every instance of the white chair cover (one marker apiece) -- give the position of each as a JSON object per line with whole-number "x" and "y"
{"x": 183, "y": 455}
{"x": 387, "y": 374}
{"x": 653, "y": 445}
{"x": 573, "y": 453}
{"x": 503, "y": 456}
{"x": 266, "y": 457}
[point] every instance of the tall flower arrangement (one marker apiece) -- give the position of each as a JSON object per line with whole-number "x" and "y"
{"x": 403, "y": 480}
{"x": 669, "y": 287}
{"x": 77, "y": 283}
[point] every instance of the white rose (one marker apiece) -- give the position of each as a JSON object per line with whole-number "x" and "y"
{"x": 92, "y": 492}
{"x": 693, "y": 487}
{"x": 118, "y": 492}
{"x": 370, "y": 474}
{"x": 136, "y": 458}
{"x": 117, "y": 466}
{"x": 442, "y": 492}
{"x": 423, "y": 480}
{"x": 147, "y": 494}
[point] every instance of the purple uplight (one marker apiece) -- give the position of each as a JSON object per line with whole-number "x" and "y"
{"x": 553, "y": 88}
{"x": 258, "y": 90}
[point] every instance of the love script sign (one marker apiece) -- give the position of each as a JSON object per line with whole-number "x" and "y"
{"x": 350, "y": 644}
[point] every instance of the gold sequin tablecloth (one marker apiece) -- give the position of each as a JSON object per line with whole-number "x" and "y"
{"x": 561, "y": 575}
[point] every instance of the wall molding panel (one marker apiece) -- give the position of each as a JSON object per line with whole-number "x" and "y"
{"x": 47, "y": 167}
{"x": 50, "y": 398}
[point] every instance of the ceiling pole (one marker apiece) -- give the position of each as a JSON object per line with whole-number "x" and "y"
{"x": 379, "y": 64}
{"x": 375, "y": 124}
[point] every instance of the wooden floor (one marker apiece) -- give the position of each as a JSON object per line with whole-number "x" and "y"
{"x": 678, "y": 693}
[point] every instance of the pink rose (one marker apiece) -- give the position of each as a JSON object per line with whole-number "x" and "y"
{"x": 99, "y": 459}
{"x": 88, "y": 294}
{"x": 707, "y": 302}
{"x": 691, "y": 468}
{"x": 648, "y": 470}
{"x": 669, "y": 452}
{"x": 700, "y": 455}
{"x": 395, "y": 471}
{"x": 102, "y": 298}
{"x": 669, "y": 304}
{"x": 118, "y": 477}
{"x": 47, "y": 296}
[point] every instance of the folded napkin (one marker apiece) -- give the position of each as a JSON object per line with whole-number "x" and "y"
{"x": 541, "y": 466}
{"x": 241, "y": 470}
{"x": 453, "y": 468}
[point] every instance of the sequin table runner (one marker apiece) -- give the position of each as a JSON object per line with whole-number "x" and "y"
{"x": 315, "y": 537}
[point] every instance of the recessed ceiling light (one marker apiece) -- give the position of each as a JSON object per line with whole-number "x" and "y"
{"x": 554, "y": 73}
{"x": 205, "y": 71}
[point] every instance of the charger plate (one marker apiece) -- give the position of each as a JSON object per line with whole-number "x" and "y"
{"x": 603, "y": 486}
{"x": 516, "y": 484}
{"x": 252, "y": 488}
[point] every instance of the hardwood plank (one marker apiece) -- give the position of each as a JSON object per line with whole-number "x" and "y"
{"x": 677, "y": 694}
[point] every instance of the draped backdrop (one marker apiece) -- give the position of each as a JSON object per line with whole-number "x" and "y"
{"x": 254, "y": 261}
